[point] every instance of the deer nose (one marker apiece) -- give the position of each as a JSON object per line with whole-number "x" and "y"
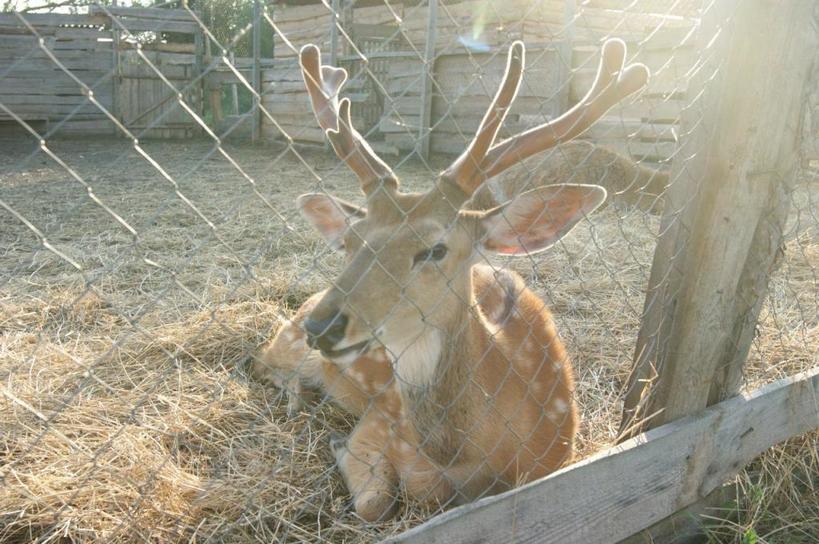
{"x": 323, "y": 334}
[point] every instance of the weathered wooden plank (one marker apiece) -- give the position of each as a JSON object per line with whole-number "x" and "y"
{"x": 661, "y": 83}
{"x": 48, "y": 67}
{"x": 45, "y": 100}
{"x": 62, "y": 56}
{"x": 465, "y": 106}
{"x": 154, "y": 25}
{"x": 102, "y": 126}
{"x": 142, "y": 13}
{"x": 297, "y": 132}
{"x": 46, "y": 19}
{"x": 620, "y": 491}
{"x": 45, "y": 86}
{"x": 63, "y": 33}
{"x": 56, "y": 111}
{"x": 428, "y": 76}
{"x": 478, "y": 75}
{"x": 84, "y": 44}
{"x": 158, "y": 57}
{"x": 132, "y": 69}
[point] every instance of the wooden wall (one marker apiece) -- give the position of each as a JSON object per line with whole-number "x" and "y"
{"x": 37, "y": 88}
{"x": 645, "y": 126}
{"x": 488, "y": 23}
{"x": 98, "y": 49}
{"x": 471, "y": 47}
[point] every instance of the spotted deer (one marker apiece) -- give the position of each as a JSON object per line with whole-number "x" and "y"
{"x": 455, "y": 368}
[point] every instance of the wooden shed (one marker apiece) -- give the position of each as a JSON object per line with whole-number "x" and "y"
{"x": 469, "y": 42}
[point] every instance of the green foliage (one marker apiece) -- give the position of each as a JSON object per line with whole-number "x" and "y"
{"x": 230, "y": 22}
{"x": 749, "y": 536}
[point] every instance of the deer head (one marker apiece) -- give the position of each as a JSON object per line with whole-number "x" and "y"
{"x": 409, "y": 255}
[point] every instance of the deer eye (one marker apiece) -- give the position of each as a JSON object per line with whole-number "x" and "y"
{"x": 435, "y": 253}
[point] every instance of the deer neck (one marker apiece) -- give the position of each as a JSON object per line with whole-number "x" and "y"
{"x": 435, "y": 375}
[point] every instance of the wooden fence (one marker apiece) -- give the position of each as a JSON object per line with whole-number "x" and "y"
{"x": 43, "y": 82}
{"x": 560, "y": 68}
{"x": 95, "y": 54}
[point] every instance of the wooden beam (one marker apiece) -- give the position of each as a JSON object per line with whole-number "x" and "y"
{"x": 566, "y": 46}
{"x": 160, "y": 14}
{"x": 725, "y": 211}
{"x": 198, "y": 94}
{"x": 234, "y": 89}
{"x": 428, "y": 68}
{"x": 627, "y": 488}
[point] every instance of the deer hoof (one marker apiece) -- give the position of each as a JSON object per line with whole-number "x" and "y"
{"x": 338, "y": 444}
{"x": 376, "y": 506}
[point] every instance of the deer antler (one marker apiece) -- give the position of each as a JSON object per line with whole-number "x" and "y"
{"x": 613, "y": 82}
{"x": 333, "y": 115}
{"x": 465, "y": 171}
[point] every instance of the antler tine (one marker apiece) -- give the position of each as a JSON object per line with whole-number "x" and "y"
{"x": 466, "y": 170}
{"x": 333, "y": 115}
{"x": 613, "y": 83}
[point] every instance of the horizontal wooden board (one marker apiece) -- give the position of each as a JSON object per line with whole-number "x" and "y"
{"x": 35, "y": 55}
{"x": 45, "y": 19}
{"x": 50, "y": 68}
{"x": 102, "y": 126}
{"x": 466, "y": 106}
{"x": 161, "y": 14}
{"x": 28, "y": 99}
{"x": 134, "y": 25}
{"x": 132, "y": 69}
{"x": 45, "y": 86}
{"x": 58, "y": 111}
{"x": 299, "y": 133}
{"x": 156, "y": 57}
{"x": 625, "y": 489}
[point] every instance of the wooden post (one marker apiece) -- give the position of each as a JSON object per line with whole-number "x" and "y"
{"x": 115, "y": 79}
{"x": 234, "y": 91}
{"x": 334, "y": 33}
{"x": 424, "y": 127}
{"x": 724, "y": 216}
{"x": 257, "y": 73}
{"x": 566, "y": 54}
{"x": 198, "y": 68}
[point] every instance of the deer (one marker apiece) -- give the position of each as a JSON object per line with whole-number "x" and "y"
{"x": 454, "y": 368}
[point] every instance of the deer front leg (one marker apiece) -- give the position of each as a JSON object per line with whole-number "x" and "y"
{"x": 367, "y": 472}
{"x": 288, "y": 363}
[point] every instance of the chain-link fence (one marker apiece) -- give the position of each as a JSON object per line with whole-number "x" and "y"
{"x": 189, "y": 350}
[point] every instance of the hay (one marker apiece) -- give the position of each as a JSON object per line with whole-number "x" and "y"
{"x": 126, "y": 415}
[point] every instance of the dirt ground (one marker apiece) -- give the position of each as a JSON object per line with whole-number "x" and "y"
{"x": 134, "y": 283}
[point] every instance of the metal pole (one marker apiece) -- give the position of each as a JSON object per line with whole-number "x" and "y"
{"x": 257, "y": 74}
{"x": 234, "y": 91}
{"x": 115, "y": 80}
{"x": 425, "y": 121}
{"x": 566, "y": 48}
{"x": 334, "y": 33}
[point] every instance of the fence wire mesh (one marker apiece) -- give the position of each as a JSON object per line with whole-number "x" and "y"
{"x": 157, "y": 382}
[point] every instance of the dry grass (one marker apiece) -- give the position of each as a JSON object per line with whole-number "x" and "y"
{"x": 124, "y": 410}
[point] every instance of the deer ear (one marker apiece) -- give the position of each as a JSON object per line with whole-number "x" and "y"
{"x": 536, "y": 219}
{"x": 330, "y": 216}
